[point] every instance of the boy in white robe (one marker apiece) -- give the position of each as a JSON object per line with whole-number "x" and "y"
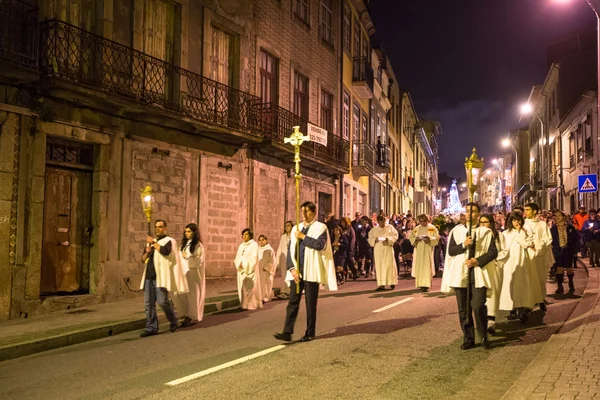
{"x": 248, "y": 277}
{"x": 382, "y": 238}
{"x": 266, "y": 266}
{"x": 540, "y": 253}
{"x": 424, "y": 238}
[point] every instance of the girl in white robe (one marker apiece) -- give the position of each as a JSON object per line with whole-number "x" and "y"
{"x": 267, "y": 267}
{"x": 191, "y": 252}
{"x": 281, "y": 259}
{"x": 382, "y": 238}
{"x": 516, "y": 286}
{"x": 494, "y": 270}
{"x": 248, "y": 276}
{"x": 424, "y": 238}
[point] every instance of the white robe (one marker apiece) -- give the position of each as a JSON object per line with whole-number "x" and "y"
{"x": 494, "y": 270}
{"x": 318, "y": 264}
{"x": 281, "y": 260}
{"x": 191, "y": 304}
{"x": 456, "y": 271}
{"x": 423, "y": 267}
{"x": 170, "y": 273}
{"x": 267, "y": 267}
{"x": 383, "y": 251}
{"x": 542, "y": 258}
{"x": 517, "y": 271}
{"x": 248, "y": 278}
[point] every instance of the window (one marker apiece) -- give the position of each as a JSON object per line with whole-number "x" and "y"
{"x": 327, "y": 111}
{"x": 301, "y": 10}
{"x": 366, "y": 52}
{"x": 356, "y": 123}
{"x": 220, "y": 68}
{"x": 356, "y": 48}
{"x": 326, "y": 25}
{"x": 269, "y": 78}
{"x": 378, "y": 127}
{"x": 300, "y": 95}
{"x": 346, "y": 28}
{"x": 365, "y": 120}
{"x": 346, "y": 121}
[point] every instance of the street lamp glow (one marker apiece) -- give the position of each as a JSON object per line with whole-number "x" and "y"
{"x": 526, "y": 109}
{"x": 531, "y": 159}
{"x": 464, "y": 185}
{"x": 505, "y": 142}
{"x": 444, "y": 189}
{"x": 495, "y": 161}
{"x": 488, "y": 172}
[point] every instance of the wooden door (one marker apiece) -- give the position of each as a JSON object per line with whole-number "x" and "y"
{"x": 67, "y": 232}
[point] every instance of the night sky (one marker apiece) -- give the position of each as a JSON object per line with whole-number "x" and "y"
{"x": 470, "y": 63}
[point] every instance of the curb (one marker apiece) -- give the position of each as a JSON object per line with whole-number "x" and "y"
{"x": 23, "y": 349}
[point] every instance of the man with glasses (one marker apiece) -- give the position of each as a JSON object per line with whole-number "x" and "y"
{"x": 162, "y": 274}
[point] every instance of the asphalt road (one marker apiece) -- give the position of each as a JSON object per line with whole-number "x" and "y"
{"x": 408, "y": 351}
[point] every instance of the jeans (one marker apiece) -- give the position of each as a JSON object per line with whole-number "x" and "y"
{"x": 153, "y": 294}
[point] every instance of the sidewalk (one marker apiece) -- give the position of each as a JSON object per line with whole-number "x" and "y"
{"x": 568, "y": 366}
{"x": 22, "y": 337}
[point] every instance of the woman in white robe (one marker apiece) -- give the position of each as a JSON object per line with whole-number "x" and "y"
{"x": 281, "y": 259}
{"x": 424, "y": 238}
{"x": 494, "y": 271}
{"x": 516, "y": 286}
{"x": 191, "y": 253}
{"x": 267, "y": 267}
{"x": 248, "y": 276}
{"x": 382, "y": 238}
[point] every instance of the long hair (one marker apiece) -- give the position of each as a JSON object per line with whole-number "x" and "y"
{"x": 194, "y": 240}
{"x": 490, "y": 218}
{"x": 287, "y": 222}
{"x": 515, "y": 215}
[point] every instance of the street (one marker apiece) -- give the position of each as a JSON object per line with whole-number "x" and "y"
{"x": 408, "y": 349}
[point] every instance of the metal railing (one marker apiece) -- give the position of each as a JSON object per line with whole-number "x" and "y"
{"x": 363, "y": 156}
{"x": 75, "y": 55}
{"x": 383, "y": 156}
{"x": 277, "y": 124}
{"x": 19, "y": 33}
{"x": 551, "y": 175}
{"x": 362, "y": 71}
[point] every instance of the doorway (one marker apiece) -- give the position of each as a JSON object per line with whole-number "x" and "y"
{"x": 325, "y": 205}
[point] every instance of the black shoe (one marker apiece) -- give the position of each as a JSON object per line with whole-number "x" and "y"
{"x": 393, "y": 287}
{"x": 543, "y": 307}
{"x": 286, "y": 337}
{"x": 560, "y": 290}
{"x": 486, "y": 344}
{"x": 173, "y": 327}
{"x": 380, "y": 288}
{"x": 187, "y": 321}
{"x": 307, "y": 338}
{"x": 467, "y": 346}
{"x": 512, "y": 316}
{"x": 491, "y": 330}
{"x": 571, "y": 287}
{"x": 524, "y": 317}
{"x": 147, "y": 333}
{"x": 424, "y": 289}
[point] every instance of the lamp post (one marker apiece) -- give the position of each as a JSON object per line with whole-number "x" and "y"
{"x": 147, "y": 197}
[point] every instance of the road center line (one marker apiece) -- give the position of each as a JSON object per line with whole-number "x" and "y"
{"x": 393, "y": 305}
{"x": 223, "y": 366}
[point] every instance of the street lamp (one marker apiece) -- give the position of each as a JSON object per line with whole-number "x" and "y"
{"x": 147, "y": 197}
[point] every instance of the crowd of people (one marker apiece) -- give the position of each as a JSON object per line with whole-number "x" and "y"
{"x": 491, "y": 262}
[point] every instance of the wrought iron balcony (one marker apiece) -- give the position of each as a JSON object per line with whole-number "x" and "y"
{"x": 362, "y": 77}
{"x": 383, "y": 164}
{"x": 75, "y": 55}
{"x": 19, "y": 33}
{"x": 536, "y": 181}
{"x": 277, "y": 124}
{"x": 363, "y": 158}
{"x": 551, "y": 174}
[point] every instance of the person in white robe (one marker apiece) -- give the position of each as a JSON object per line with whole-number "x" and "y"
{"x": 382, "y": 238}
{"x": 248, "y": 276}
{"x": 494, "y": 271}
{"x": 267, "y": 267}
{"x": 540, "y": 253}
{"x": 310, "y": 265}
{"x": 191, "y": 304}
{"x": 424, "y": 238}
{"x": 281, "y": 259}
{"x": 518, "y": 269}
{"x": 470, "y": 252}
{"x": 163, "y": 274}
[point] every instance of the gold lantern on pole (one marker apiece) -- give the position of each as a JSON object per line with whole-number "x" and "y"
{"x": 147, "y": 197}
{"x": 473, "y": 167}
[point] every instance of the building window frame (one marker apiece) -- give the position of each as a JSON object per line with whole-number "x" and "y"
{"x": 347, "y": 29}
{"x": 346, "y": 116}
{"x": 356, "y": 39}
{"x": 268, "y": 77}
{"x": 301, "y": 93}
{"x": 326, "y": 22}
{"x": 301, "y": 10}
{"x": 326, "y": 111}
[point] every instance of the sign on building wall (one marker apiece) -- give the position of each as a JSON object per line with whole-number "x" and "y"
{"x": 316, "y": 134}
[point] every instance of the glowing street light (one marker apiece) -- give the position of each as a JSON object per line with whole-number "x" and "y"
{"x": 526, "y": 109}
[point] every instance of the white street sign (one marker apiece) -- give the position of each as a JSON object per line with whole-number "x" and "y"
{"x": 317, "y": 134}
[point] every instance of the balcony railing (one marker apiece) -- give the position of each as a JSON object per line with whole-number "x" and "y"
{"x": 362, "y": 77}
{"x": 363, "y": 158}
{"x": 551, "y": 174}
{"x": 382, "y": 163}
{"x": 19, "y": 33}
{"x": 76, "y": 55}
{"x": 277, "y": 124}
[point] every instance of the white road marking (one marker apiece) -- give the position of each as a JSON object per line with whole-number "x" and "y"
{"x": 393, "y": 305}
{"x": 223, "y": 366}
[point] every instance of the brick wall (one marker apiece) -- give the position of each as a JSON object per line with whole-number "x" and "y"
{"x": 269, "y": 201}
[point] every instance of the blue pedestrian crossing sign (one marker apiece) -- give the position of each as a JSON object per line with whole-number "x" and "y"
{"x": 588, "y": 183}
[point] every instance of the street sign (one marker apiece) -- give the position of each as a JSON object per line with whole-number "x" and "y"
{"x": 317, "y": 134}
{"x": 587, "y": 183}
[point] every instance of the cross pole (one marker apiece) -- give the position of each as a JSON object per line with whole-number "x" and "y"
{"x": 296, "y": 140}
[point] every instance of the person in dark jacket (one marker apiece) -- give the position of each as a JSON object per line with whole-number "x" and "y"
{"x": 591, "y": 238}
{"x": 339, "y": 244}
{"x": 564, "y": 247}
{"x": 365, "y": 251}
